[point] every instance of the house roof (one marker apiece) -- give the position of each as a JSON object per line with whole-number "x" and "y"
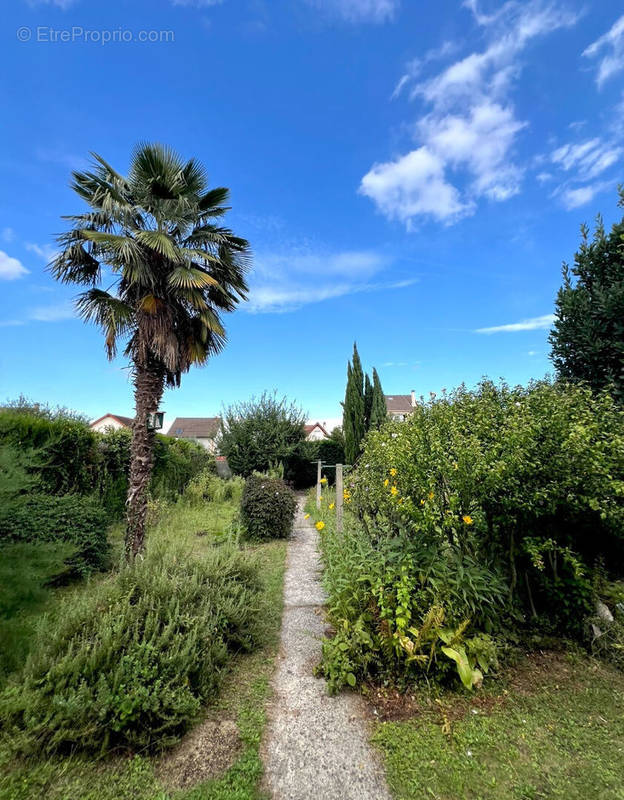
{"x": 195, "y": 427}
{"x": 125, "y": 421}
{"x": 309, "y": 428}
{"x": 399, "y": 403}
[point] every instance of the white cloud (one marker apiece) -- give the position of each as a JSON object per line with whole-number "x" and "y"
{"x": 465, "y": 143}
{"x": 533, "y": 324}
{"x": 609, "y": 49}
{"x": 412, "y": 186}
{"x": 45, "y": 251}
{"x": 8, "y": 234}
{"x": 55, "y": 313}
{"x": 11, "y": 268}
{"x": 286, "y": 281}
{"x": 581, "y": 195}
{"x": 62, "y": 4}
{"x": 588, "y": 158}
{"x": 415, "y": 67}
{"x": 359, "y": 10}
{"x": 198, "y": 3}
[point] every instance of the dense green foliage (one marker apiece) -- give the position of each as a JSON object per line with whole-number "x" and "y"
{"x": 399, "y": 607}
{"x": 25, "y": 593}
{"x": 267, "y": 508}
{"x": 71, "y": 519}
{"x": 354, "y": 411}
{"x": 63, "y": 455}
{"x": 378, "y": 414}
{"x": 483, "y": 514}
{"x": 364, "y": 407}
{"x": 262, "y": 432}
{"x": 588, "y": 333}
{"x": 130, "y": 662}
{"x": 206, "y": 487}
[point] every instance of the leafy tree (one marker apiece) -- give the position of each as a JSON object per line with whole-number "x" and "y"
{"x": 378, "y": 413}
{"x": 261, "y": 432}
{"x": 173, "y": 269}
{"x": 588, "y": 334}
{"x": 353, "y": 408}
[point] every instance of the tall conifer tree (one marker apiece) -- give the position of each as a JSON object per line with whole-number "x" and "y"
{"x": 378, "y": 413}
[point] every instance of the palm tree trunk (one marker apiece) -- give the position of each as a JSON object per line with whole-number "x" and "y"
{"x": 148, "y": 390}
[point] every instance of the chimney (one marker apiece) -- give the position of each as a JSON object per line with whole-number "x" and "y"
{"x": 413, "y": 399}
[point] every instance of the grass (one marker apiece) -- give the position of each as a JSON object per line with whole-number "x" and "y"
{"x": 556, "y": 731}
{"x": 24, "y": 570}
{"x": 243, "y": 697}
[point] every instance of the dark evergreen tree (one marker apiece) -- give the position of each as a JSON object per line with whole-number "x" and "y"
{"x": 587, "y": 338}
{"x": 368, "y": 401}
{"x": 378, "y": 413}
{"x": 353, "y": 409}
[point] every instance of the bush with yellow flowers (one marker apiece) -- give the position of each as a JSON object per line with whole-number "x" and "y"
{"x": 499, "y": 474}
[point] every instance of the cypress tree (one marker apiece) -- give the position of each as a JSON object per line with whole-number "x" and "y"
{"x": 368, "y": 401}
{"x": 378, "y": 414}
{"x": 353, "y": 409}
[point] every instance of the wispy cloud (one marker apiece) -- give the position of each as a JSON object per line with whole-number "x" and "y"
{"x": 198, "y": 3}
{"x": 11, "y": 268}
{"x": 290, "y": 279}
{"x": 7, "y": 235}
{"x": 575, "y": 197}
{"x": 377, "y": 11}
{"x": 62, "y": 4}
{"x": 608, "y": 51}
{"x": 53, "y": 313}
{"x": 533, "y": 324}
{"x": 465, "y": 142}
{"x": 46, "y": 252}
{"x": 588, "y": 158}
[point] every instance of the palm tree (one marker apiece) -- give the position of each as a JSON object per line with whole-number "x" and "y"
{"x": 172, "y": 270}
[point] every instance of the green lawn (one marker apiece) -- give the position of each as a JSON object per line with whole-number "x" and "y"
{"x": 242, "y": 698}
{"x": 555, "y": 731}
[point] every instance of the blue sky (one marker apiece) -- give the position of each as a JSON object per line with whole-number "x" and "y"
{"x": 410, "y": 174}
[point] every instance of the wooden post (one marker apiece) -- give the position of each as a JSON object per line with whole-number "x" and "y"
{"x": 339, "y": 497}
{"x": 318, "y": 484}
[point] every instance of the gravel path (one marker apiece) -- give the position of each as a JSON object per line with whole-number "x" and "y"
{"x": 315, "y": 746}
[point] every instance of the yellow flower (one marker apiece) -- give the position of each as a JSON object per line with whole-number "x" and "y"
{"x": 331, "y": 506}
{"x": 323, "y": 480}
{"x": 386, "y": 482}
{"x": 393, "y": 472}
{"x": 431, "y": 495}
{"x": 306, "y": 516}
{"x": 394, "y": 491}
{"x": 422, "y": 502}
{"x": 467, "y": 519}
{"x": 320, "y": 525}
{"x": 455, "y": 466}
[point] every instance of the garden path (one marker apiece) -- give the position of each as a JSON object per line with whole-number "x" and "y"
{"x": 315, "y": 746}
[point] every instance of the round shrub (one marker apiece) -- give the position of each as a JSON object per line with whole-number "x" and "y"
{"x": 267, "y": 508}
{"x": 130, "y": 663}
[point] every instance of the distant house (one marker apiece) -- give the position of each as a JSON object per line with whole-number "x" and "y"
{"x": 315, "y": 432}
{"x": 400, "y": 406}
{"x": 111, "y": 422}
{"x": 202, "y": 430}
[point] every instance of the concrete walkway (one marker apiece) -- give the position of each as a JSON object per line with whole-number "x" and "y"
{"x": 315, "y": 746}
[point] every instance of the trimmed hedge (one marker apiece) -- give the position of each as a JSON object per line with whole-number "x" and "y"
{"x": 267, "y": 508}
{"x": 73, "y": 519}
